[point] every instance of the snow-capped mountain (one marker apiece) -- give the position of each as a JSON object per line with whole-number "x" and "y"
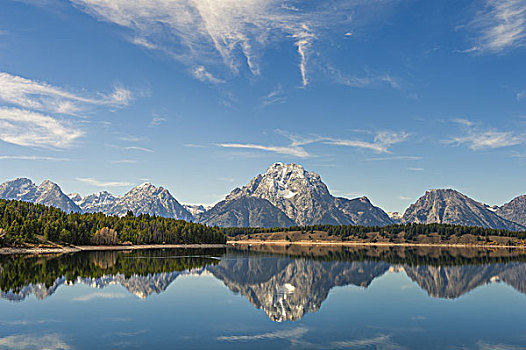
{"x": 196, "y": 209}
{"x": 395, "y": 216}
{"x": 148, "y": 199}
{"x": 98, "y": 202}
{"x": 47, "y": 193}
{"x": 143, "y": 199}
{"x": 448, "y": 206}
{"x": 304, "y": 198}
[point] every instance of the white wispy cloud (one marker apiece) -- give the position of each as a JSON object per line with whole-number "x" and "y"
{"x": 273, "y": 97}
{"x": 98, "y": 183}
{"x": 131, "y": 138}
{"x": 381, "y": 143}
{"x": 477, "y": 138}
{"x": 99, "y": 295}
{"x": 501, "y": 25}
{"x": 27, "y": 128}
{"x": 296, "y": 337}
{"x": 55, "y": 159}
{"x": 235, "y": 33}
{"x": 415, "y": 169}
{"x": 295, "y": 151}
{"x": 304, "y": 39}
{"x": 123, "y": 161}
{"x": 138, "y": 148}
{"x": 295, "y": 148}
{"x": 366, "y": 81}
{"x": 484, "y": 345}
{"x": 156, "y": 121}
{"x": 200, "y": 73}
{"x": 193, "y": 145}
{"x": 41, "y": 96}
{"x": 394, "y": 158}
{"x": 294, "y": 333}
{"x": 521, "y": 95}
{"x": 51, "y": 341}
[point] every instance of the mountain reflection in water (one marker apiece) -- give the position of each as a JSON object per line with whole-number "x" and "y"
{"x": 286, "y": 282}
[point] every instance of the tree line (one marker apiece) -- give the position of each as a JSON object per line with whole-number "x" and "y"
{"x": 410, "y": 230}
{"x": 24, "y": 222}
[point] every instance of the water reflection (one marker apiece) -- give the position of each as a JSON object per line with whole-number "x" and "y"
{"x": 287, "y": 283}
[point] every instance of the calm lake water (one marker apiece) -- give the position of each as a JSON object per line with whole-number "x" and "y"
{"x": 275, "y": 297}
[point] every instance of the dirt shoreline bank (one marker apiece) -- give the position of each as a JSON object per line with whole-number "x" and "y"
{"x": 76, "y": 249}
{"x": 377, "y": 244}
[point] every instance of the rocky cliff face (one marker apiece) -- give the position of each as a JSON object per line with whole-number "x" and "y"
{"x": 245, "y": 212}
{"x": 514, "y": 211}
{"x": 362, "y": 212}
{"x": 452, "y": 207}
{"x": 47, "y": 193}
{"x": 305, "y": 199}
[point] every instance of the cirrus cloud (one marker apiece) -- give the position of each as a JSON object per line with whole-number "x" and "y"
{"x": 26, "y": 128}
{"x": 476, "y": 137}
{"x": 501, "y": 25}
{"x": 233, "y": 32}
{"x": 41, "y": 96}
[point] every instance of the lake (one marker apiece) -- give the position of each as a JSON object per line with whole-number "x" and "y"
{"x": 266, "y": 297}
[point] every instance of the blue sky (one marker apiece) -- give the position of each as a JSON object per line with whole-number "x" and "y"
{"x": 382, "y": 98}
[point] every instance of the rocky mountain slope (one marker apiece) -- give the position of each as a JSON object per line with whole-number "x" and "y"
{"x": 285, "y": 195}
{"x": 452, "y": 207}
{"x": 143, "y": 199}
{"x": 245, "y": 212}
{"x": 515, "y": 210}
{"x": 47, "y": 193}
{"x": 303, "y": 198}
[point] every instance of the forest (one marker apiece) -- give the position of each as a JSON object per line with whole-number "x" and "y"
{"x": 411, "y": 230}
{"x": 24, "y": 222}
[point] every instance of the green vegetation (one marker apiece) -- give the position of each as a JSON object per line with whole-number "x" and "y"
{"x": 17, "y": 271}
{"x": 23, "y": 222}
{"x": 411, "y": 231}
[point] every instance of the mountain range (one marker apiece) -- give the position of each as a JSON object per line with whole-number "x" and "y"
{"x": 287, "y": 288}
{"x": 285, "y": 195}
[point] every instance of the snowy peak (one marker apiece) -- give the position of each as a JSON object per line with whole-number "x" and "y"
{"x": 48, "y": 193}
{"x": 148, "y": 199}
{"x": 98, "y": 202}
{"x": 196, "y": 209}
{"x": 305, "y": 199}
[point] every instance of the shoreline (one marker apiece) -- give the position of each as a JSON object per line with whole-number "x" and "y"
{"x": 378, "y": 244}
{"x": 76, "y": 249}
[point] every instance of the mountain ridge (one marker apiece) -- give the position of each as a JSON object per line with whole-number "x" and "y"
{"x": 284, "y": 195}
